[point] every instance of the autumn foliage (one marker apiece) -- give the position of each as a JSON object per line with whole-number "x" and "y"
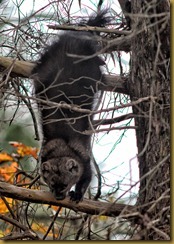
{"x": 10, "y": 167}
{"x": 11, "y": 172}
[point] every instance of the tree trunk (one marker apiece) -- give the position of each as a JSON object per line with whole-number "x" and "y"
{"x": 150, "y": 76}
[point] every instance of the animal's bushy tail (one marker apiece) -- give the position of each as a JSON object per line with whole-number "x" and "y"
{"x": 99, "y": 20}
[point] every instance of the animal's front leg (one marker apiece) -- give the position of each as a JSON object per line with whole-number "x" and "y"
{"x": 81, "y": 187}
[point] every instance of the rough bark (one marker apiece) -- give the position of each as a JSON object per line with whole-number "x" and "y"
{"x": 150, "y": 75}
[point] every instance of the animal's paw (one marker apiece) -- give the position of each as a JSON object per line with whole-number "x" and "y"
{"x": 75, "y": 196}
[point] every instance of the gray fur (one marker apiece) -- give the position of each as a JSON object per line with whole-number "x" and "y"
{"x": 68, "y": 72}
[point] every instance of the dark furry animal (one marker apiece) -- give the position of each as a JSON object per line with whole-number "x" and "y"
{"x": 68, "y": 72}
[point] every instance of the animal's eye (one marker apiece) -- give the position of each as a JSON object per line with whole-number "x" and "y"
{"x": 53, "y": 180}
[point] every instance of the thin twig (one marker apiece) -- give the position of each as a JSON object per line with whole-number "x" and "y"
{"x": 52, "y": 223}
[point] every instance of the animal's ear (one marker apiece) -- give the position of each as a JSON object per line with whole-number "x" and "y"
{"x": 72, "y": 165}
{"x": 46, "y": 166}
{"x": 45, "y": 170}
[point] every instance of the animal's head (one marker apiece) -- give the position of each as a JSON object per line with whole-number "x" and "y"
{"x": 61, "y": 174}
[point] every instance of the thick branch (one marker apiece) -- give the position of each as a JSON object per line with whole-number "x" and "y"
{"x": 115, "y": 83}
{"x": 24, "y": 68}
{"x": 45, "y": 197}
{"x": 19, "y": 68}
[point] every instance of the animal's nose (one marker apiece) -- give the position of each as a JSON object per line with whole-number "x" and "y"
{"x": 60, "y": 196}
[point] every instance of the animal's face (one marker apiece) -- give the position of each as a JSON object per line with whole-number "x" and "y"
{"x": 61, "y": 174}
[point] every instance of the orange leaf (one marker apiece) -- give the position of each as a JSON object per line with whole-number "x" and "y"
{"x": 5, "y": 157}
{"x": 24, "y": 150}
{"x": 42, "y": 228}
{"x": 7, "y": 172}
{"x": 55, "y": 208}
{"x": 3, "y": 208}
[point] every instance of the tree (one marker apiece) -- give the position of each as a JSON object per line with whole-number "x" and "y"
{"x": 145, "y": 33}
{"x": 150, "y": 76}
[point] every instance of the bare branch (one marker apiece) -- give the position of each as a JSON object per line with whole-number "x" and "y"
{"x": 88, "y": 28}
{"x": 90, "y": 132}
{"x": 113, "y": 120}
{"x": 24, "y": 68}
{"x": 20, "y": 68}
{"x": 14, "y": 222}
{"x": 86, "y": 206}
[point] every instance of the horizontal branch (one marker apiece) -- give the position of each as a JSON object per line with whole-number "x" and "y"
{"x": 89, "y": 28}
{"x": 113, "y": 120}
{"x": 45, "y": 197}
{"x": 120, "y": 43}
{"x": 108, "y": 129}
{"x": 23, "y": 69}
{"x": 19, "y": 68}
{"x": 115, "y": 83}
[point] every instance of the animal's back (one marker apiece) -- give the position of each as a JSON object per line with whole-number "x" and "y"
{"x": 68, "y": 72}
